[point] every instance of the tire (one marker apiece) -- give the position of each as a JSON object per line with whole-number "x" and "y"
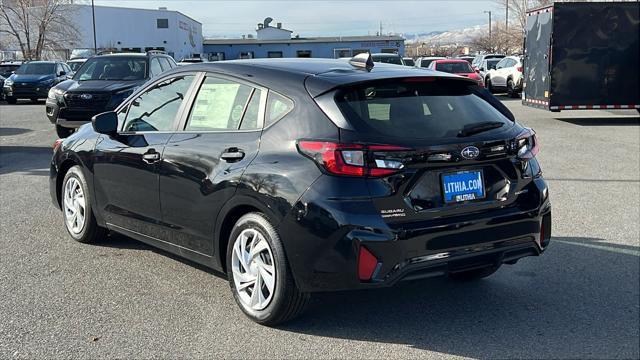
{"x": 285, "y": 301}
{"x": 11, "y": 100}
{"x": 511, "y": 91}
{"x": 63, "y": 132}
{"x": 488, "y": 85}
{"x": 74, "y": 185}
{"x": 475, "y": 274}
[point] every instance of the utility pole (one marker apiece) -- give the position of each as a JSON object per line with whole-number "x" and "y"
{"x": 490, "y": 42}
{"x": 380, "y": 32}
{"x": 93, "y": 15}
{"x": 506, "y": 18}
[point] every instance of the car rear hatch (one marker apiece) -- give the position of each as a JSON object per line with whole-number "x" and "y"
{"x": 450, "y": 159}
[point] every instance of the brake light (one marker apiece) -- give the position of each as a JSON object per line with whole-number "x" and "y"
{"x": 351, "y": 159}
{"x": 527, "y": 144}
{"x": 367, "y": 264}
{"x": 56, "y": 144}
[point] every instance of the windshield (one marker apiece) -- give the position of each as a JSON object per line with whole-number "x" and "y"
{"x": 454, "y": 67}
{"x": 414, "y": 108}
{"x": 113, "y": 68}
{"x": 491, "y": 64}
{"x": 388, "y": 59}
{"x": 8, "y": 69}
{"x": 75, "y": 65}
{"x": 36, "y": 69}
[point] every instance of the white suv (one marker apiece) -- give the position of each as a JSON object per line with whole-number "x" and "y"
{"x": 507, "y": 76}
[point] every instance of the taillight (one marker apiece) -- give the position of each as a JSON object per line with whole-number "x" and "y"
{"x": 367, "y": 264}
{"x": 519, "y": 68}
{"x": 56, "y": 144}
{"x": 351, "y": 159}
{"x": 527, "y": 145}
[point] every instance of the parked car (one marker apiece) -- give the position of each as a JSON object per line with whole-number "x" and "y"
{"x": 407, "y": 61}
{"x": 9, "y": 67}
{"x": 485, "y": 66}
{"x": 507, "y": 76}
{"x": 1, "y": 86}
{"x": 32, "y": 80}
{"x": 387, "y": 58}
{"x": 301, "y": 175}
{"x": 479, "y": 58}
{"x": 101, "y": 84}
{"x": 458, "y": 67}
{"x": 75, "y": 64}
{"x": 424, "y": 62}
{"x": 189, "y": 61}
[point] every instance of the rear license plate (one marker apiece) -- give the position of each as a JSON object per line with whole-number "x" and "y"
{"x": 462, "y": 186}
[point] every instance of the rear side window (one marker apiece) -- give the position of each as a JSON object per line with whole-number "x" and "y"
{"x": 277, "y": 107}
{"x": 164, "y": 63}
{"x": 220, "y": 105}
{"x": 437, "y": 108}
{"x": 155, "y": 68}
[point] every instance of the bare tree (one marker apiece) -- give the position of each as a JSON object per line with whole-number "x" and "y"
{"x": 37, "y": 25}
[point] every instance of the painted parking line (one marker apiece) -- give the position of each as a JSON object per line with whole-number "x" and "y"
{"x": 603, "y": 247}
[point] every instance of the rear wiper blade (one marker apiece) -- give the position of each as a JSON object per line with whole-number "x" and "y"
{"x": 477, "y": 128}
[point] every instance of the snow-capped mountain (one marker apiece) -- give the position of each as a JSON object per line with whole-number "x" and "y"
{"x": 462, "y": 36}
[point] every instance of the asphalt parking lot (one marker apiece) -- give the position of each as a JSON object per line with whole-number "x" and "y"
{"x": 122, "y": 298}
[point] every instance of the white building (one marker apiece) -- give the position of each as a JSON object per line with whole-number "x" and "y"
{"x": 138, "y": 30}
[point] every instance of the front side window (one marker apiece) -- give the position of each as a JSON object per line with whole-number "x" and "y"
{"x": 156, "y": 68}
{"x": 113, "y": 68}
{"x": 415, "y": 109}
{"x": 219, "y": 105}
{"x": 156, "y": 108}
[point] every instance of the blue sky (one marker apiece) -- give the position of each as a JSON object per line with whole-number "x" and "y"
{"x": 221, "y": 18}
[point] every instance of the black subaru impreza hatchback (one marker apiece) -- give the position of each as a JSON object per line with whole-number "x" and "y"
{"x": 296, "y": 176}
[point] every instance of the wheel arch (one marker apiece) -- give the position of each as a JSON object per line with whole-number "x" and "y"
{"x": 63, "y": 168}
{"x": 229, "y": 215}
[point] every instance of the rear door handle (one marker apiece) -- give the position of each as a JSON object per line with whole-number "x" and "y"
{"x": 232, "y": 155}
{"x": 151, "y": 156}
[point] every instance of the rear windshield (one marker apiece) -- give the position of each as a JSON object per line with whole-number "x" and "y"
{"x": 409, "y": 62}
{"x": 388, "y": 59}
{"x": 113, "y": 68}
{"x": 36, "y": 69}
{"x": 454, "y": 67}
{"x": 438, "y": 108}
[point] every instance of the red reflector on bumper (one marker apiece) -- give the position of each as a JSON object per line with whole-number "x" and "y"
{"x": 366, "y": 264}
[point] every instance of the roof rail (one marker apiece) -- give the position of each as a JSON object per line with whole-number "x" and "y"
{"x": 155, "y": 52}
{"x": 362, "y": 61}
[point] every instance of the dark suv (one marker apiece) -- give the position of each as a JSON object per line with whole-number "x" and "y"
{"x": 302, "y": 175}
{"x": 101, "y": 84}
{"x": 32, "y": 80}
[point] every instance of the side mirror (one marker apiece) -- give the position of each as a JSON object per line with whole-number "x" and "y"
{"x": 61, "y": 73}
{"x": 105, "y": 123}
{"x": 478, "y": 70}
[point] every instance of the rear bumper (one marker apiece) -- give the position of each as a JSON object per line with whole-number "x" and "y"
{"x": 327, "y": 260}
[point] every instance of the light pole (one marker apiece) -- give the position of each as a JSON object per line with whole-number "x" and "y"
{"x": 490, "y": 47}
{"x": 93, "y": 15}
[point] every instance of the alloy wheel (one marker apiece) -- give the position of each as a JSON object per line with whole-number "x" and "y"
{"x": 253, "y": 269}
{"x": 74, "y": 206}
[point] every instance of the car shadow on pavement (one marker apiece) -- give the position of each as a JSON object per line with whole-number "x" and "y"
{"x": 580, "y": 299}
{"x": 5, "y": 131}
{"x": 603, "y": 121}
{"x": 27, "y": 160}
